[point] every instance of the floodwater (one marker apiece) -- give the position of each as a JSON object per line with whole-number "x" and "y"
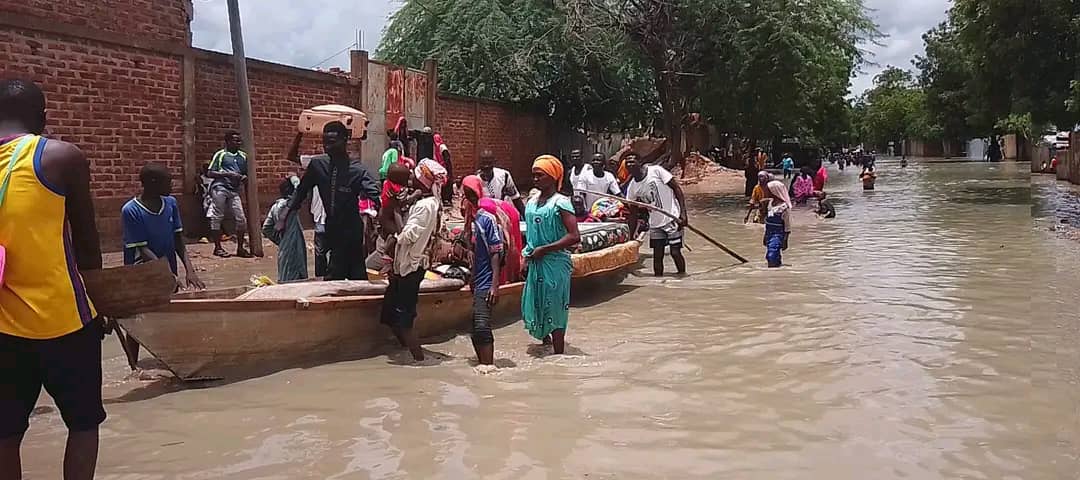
{"x": 929, "y": 331}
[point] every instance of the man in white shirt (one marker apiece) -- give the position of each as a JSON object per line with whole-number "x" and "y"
{"x": 410, "y": 248}
{"x": 577, "y": 169}
{"x": 498, "y": 184}
{"x": 595, "y": 179}
{"x": 653, "y": 185}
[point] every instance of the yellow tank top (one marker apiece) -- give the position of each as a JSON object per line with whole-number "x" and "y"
{"x": 43, "y": 295}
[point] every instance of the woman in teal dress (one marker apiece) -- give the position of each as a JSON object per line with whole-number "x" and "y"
{"x": 551, "y": 230}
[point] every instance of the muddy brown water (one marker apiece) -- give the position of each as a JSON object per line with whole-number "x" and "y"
{"x": 929, "y": 331}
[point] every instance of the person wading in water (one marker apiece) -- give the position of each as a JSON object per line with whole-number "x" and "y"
{"x": 342, "y": 183}
{"x": 552, "y": 230}
{"x": 50, "y": 334}
{"x": 411, "y": 249}
{"x": 653, "y": 185}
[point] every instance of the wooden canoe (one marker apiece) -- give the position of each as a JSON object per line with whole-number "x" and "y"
{"x": 216, "y": 336}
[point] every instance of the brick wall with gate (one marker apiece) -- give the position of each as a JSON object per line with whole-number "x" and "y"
{"x": 123, "y": 83}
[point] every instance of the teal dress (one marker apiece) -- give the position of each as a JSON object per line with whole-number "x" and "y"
{"x": 545, "y": 305}
{"x": 292, "y": 248}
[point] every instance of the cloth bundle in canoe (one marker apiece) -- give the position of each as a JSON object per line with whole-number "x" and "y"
{"x": 599, "y": 236}
{"x": 605, "y": 260}
{"x": 341, "y": 288}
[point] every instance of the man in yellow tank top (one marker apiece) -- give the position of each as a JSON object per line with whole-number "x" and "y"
{"x": 49, "y": 334}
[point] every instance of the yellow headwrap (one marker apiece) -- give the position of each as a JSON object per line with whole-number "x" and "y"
{"x": 550, "y": 165}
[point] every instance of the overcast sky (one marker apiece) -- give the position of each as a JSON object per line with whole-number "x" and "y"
{"x": 306, "y": 33}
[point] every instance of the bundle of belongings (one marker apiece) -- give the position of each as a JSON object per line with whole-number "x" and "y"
{"x": 433, "y": 282}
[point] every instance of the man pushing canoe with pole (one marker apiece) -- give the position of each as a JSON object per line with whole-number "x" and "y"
{"x": 654, "y": 189}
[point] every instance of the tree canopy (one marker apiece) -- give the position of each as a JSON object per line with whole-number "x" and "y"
{"x": 517, "y": 51}
{"x": 758, "y": 68}
{"x": 1004, "y": 65}
{"x": 894, "y": 110}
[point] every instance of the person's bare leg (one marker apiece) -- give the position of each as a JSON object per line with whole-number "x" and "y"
{"x": 80, "y": 456}
{"x": 131, "y": 349}
{"x": 658, "y": 262}
{"x": 413, "y": 343}
{"x": 218, "y": 251}
{"x": 240, "y": 250}
{"x": 558, "y": 341}
{"x": 485, "y": 354}
{"x": 680, "y": 260}
{"x": 10, "y": 463}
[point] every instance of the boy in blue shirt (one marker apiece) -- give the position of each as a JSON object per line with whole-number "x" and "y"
{"x": 152, "y": 228}
{"x": 487, "y": 259}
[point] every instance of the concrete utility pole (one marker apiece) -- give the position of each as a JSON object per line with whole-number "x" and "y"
{"x": 247, "y": 130}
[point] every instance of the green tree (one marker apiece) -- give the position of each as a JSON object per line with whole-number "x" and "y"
{"x": 760, "y": 68}
{"x": 944, "y": 72}
{"x": 516, "y": 51}
{"x": 1024, "y": 56}
{"x": 894, "y": 110}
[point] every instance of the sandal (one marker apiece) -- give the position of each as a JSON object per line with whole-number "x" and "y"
{"x": 244, "y": 254}
{"x": 221, "y": 253}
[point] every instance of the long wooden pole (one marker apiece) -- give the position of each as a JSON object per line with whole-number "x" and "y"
{"x": 719, "y": 245}
{"x": 247, "y": 129}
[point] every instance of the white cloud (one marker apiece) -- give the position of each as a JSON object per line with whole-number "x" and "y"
{"x": 293, "y": 32}
{"x": 904, "y": 22}
{"x": 304, "y": 33}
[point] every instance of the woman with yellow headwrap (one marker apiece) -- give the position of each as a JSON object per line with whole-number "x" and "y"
{"x": 551, "y": 229}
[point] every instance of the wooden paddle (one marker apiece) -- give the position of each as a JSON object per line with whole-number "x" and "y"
{"x": 688, "y": 226}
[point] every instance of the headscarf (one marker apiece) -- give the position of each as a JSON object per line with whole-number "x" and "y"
{"x": 765, "y": 177}
{"x": 432, "y": 175}
{"x": 474, "y": 183}
{"x": 551, "y": 166}
{"x": 439, "y": 146}
{"x": 779, "y": 191}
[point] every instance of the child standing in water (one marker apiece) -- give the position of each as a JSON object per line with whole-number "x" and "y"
{"x": 777, "y": 223}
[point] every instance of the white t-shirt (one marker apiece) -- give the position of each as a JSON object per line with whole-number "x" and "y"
{"x": 501, "y": 185}
{"x": 654, "y": 190}
{"x": 586, "y": 169}
{"x": 589, "y": 181}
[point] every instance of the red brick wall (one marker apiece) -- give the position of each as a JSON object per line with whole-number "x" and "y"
{"x": 121, "y": 106}
{"x": 455, "y": 121}
{"x": 277, "y": 98}
{"x": 157, "y": 19}
{"x": 516, "y": 137}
